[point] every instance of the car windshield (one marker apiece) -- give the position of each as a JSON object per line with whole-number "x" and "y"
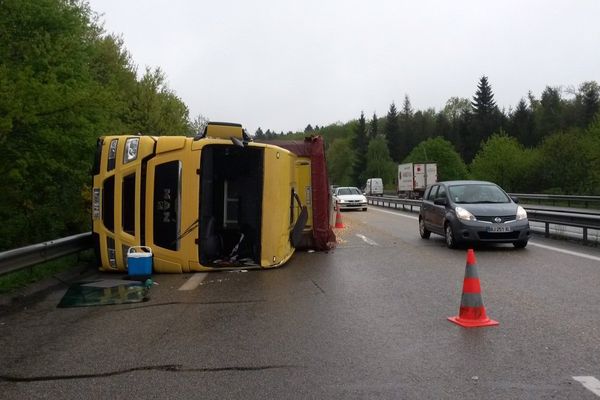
{"x": 469, "y": 194}
{"x": 348, "y": 190}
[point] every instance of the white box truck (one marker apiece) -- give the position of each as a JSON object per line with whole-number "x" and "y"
{"x": 374, "y": 187}
{"x": 413, "y": 178}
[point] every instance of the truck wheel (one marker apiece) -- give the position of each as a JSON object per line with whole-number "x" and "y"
{"x": 424, "y": 232}
{"x": 450, "y": 238}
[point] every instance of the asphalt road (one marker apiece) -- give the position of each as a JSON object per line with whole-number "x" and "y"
{"x": 367, "y": 320}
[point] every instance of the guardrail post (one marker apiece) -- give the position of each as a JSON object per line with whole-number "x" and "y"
{"x": 547, "y": 234}
{"x": 585, "y": 235}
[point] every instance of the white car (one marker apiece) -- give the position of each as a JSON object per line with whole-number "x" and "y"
{"x": 348, "y": 198}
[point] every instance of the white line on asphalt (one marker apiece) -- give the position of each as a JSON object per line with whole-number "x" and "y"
{"x": 194, "y": 281}
{"x": 394, "y": 213}
{"x": 559, "y": 250}
{"x": 590, "y": 383}
{"x": 367, "y": 240}
{"x": 572, "y": 253}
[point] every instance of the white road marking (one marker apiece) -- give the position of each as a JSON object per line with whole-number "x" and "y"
{"x": 394, "y": 213}
{"x": 194, "y": 281}
{"x": 572, "y": 253}
{"x": 559, "y": 250}
{"x": 590, "y": 383}
{"x": 367, "y": 240}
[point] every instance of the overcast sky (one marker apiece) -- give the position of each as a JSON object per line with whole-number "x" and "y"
{"x": 283, "y": 64}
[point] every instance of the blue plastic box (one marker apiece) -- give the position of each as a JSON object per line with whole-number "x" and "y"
{"x": 139, "y": 261}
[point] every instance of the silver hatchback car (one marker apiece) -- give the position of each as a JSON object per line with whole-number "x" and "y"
{"x": 473, "y": 212}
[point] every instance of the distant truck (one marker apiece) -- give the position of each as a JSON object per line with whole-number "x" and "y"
{"x": 413, "y": 178}
{"x": 374, "y": 187}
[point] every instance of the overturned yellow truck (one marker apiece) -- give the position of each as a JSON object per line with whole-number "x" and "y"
{"x": 213, "y": 202}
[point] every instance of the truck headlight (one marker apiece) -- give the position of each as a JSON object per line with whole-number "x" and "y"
{"x": 521, "y": 213}
{"x": 112, "y": 154}
{"x": 131, "y": 150}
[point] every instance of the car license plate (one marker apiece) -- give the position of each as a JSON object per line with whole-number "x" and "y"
{"x": 499, "y": 228}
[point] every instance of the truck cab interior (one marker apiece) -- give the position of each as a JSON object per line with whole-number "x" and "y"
{"x": 231, "y": 189}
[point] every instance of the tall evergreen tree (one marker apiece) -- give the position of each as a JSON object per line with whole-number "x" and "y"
{"x": 373, "y": 126}
{"x": 360, "y": 144}
{"x": 485, "y": 119}
{"x": 392, "y": 133}
{"x": 406, "y": 128}
{"x": 483, "y": 102}
{"x": 549, "y": 115}
{"x": 522, "y": 124}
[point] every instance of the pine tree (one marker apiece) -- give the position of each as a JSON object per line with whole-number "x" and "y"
{"x": 484, "y": 119}
{"x": 360, "y": 144}
{"x": 406, "y": 128}
{"x": 522, "y": 123}
{"x": 373, "y": 126}
{"x": 392, "y": 133}
{"x": 259, "y": 134}
{"x": 483, "y": 102}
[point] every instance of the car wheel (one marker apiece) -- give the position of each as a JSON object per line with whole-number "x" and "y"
{"x": 450, "y": 238}
{"x": 422, "y": 230}
{"x": 520, "y": 244}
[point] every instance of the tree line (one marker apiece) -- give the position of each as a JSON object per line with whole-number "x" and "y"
{"x": 549, "y": 144}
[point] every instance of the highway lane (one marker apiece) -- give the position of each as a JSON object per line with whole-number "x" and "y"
{"x": 367, "y": 320}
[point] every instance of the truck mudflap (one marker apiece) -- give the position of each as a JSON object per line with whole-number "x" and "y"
{"x": 313, "y": 147}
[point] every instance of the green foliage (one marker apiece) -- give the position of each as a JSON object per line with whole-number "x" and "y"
{"x": 449, "y": 164}
{"x": 340, "y": 158}
{"x": 360, "y": 143}
{"x": 379, "y": 162}
{"x": 570, "y": 162}
{"x": 62, "y": 84}
{"x": 503, "y": 160}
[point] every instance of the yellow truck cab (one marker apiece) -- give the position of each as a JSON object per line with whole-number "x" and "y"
{"x": 216, "y": 201}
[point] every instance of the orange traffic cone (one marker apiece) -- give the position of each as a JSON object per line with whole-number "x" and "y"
{"x": 472, "y": 312}
{"x": 338, "y": 219}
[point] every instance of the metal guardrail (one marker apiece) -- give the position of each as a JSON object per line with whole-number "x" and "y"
{"x": 13, "y": 260}
{"x": 557, "y": 198}
{"x": 579, "y": 218}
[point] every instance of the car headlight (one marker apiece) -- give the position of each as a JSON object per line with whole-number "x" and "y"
{"x": 521, "y": 213}
{"x": 131, "y": 150}
{"x": 340, "y": 201}
{"x": 461, "y": 213}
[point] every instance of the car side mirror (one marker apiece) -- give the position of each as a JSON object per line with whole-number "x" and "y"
{"x": 440, "y": 201}
{"x": 515, "y": 199}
